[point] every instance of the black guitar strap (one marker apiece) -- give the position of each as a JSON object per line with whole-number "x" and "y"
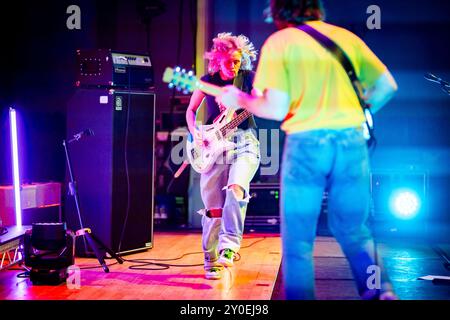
{"x": 346, "y": 63}
{"x": 238, "y": 82}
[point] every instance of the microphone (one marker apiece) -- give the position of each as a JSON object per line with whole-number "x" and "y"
{"x": 79, "y": 135}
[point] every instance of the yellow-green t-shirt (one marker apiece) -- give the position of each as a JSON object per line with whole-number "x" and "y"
{"x": 321, "y": 94}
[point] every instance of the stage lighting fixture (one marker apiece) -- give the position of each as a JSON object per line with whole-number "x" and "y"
{"x": 405, "y": 204}
{"x": 49, "y": 251}
{"x": 15, "y": 165}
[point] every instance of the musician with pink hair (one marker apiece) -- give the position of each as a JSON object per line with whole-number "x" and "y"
{"x": 225, "y": 187}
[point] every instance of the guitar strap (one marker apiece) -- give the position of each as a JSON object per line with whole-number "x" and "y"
{"x": 238, "y": 82}
{"x": 346, "y": 63}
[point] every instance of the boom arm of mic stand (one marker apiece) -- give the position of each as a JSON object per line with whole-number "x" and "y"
{"x": 446, "y": 88}
{"x": 75, "y": 138}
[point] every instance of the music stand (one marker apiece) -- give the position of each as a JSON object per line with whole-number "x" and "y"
{"x": 95, "y": 243}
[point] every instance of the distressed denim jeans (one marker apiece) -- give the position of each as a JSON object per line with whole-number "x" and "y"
{"x": 237, "y": 166}
{"x": 335, "y": 160}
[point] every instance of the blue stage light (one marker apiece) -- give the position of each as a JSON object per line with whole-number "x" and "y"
{"x": 405, "y": 204}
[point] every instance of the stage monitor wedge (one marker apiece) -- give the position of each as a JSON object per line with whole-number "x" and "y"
{"x": 114, "y": 167}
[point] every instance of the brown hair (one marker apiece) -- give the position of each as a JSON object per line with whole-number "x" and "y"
{"x": 297, "y": 11}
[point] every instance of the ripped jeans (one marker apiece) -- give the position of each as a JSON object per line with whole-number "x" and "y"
{"x": 235, "y": 167}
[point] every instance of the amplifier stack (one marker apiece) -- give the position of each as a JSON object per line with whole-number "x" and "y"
{"x": 114, "y": 168}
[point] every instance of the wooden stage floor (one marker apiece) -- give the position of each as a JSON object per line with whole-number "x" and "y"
{"x": 251, "y": 278}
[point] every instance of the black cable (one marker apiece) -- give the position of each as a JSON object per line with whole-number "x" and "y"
{"x": 142, "y": 263}
{"x": 126, "y": 161}
{"x": 96, "y": 266}
{"x": 168, "y": 259}
{"x": 151, "y": 269}
{"x": 149, "y": 261}
{"x": 371, "y": 228}
{"x": 238, "y": 256}
{"x": 253, "y": 243}
{"x": 375, "y": 253}
{"x": 373, "y": 146}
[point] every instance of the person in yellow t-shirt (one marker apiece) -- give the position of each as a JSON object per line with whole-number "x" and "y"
{"x": 306, "y": 88}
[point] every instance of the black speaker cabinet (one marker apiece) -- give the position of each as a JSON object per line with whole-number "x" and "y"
{"x": 263, "y": 211}
{"x": 114, "y": 168}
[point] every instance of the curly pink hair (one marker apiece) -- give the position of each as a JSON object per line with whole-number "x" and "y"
{"x": 224, "y": 45}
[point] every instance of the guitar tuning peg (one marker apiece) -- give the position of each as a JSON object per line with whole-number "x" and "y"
{"x": 190, "y": 73}
{"x": 183, "y": 71}
{"x": 185, "y": 91}
{"x": 171, "y": 85}
{"x": 178, "y": 88}
{"x": 177, "y": 69}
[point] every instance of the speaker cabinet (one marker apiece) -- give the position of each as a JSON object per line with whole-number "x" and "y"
{"x": 114, "y": 168}
{"x": 263, "y": 211}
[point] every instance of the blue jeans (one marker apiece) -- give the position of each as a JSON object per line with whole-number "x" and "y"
{"x": 336, "y": 160}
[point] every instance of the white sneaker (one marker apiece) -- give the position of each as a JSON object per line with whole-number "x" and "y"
{"x": 213, "y": 273}
{"x": 226, "y": 258}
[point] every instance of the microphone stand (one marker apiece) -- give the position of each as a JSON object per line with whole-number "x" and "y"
{"x": 445, "y": 86}
{"x": 88, "y": 237}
